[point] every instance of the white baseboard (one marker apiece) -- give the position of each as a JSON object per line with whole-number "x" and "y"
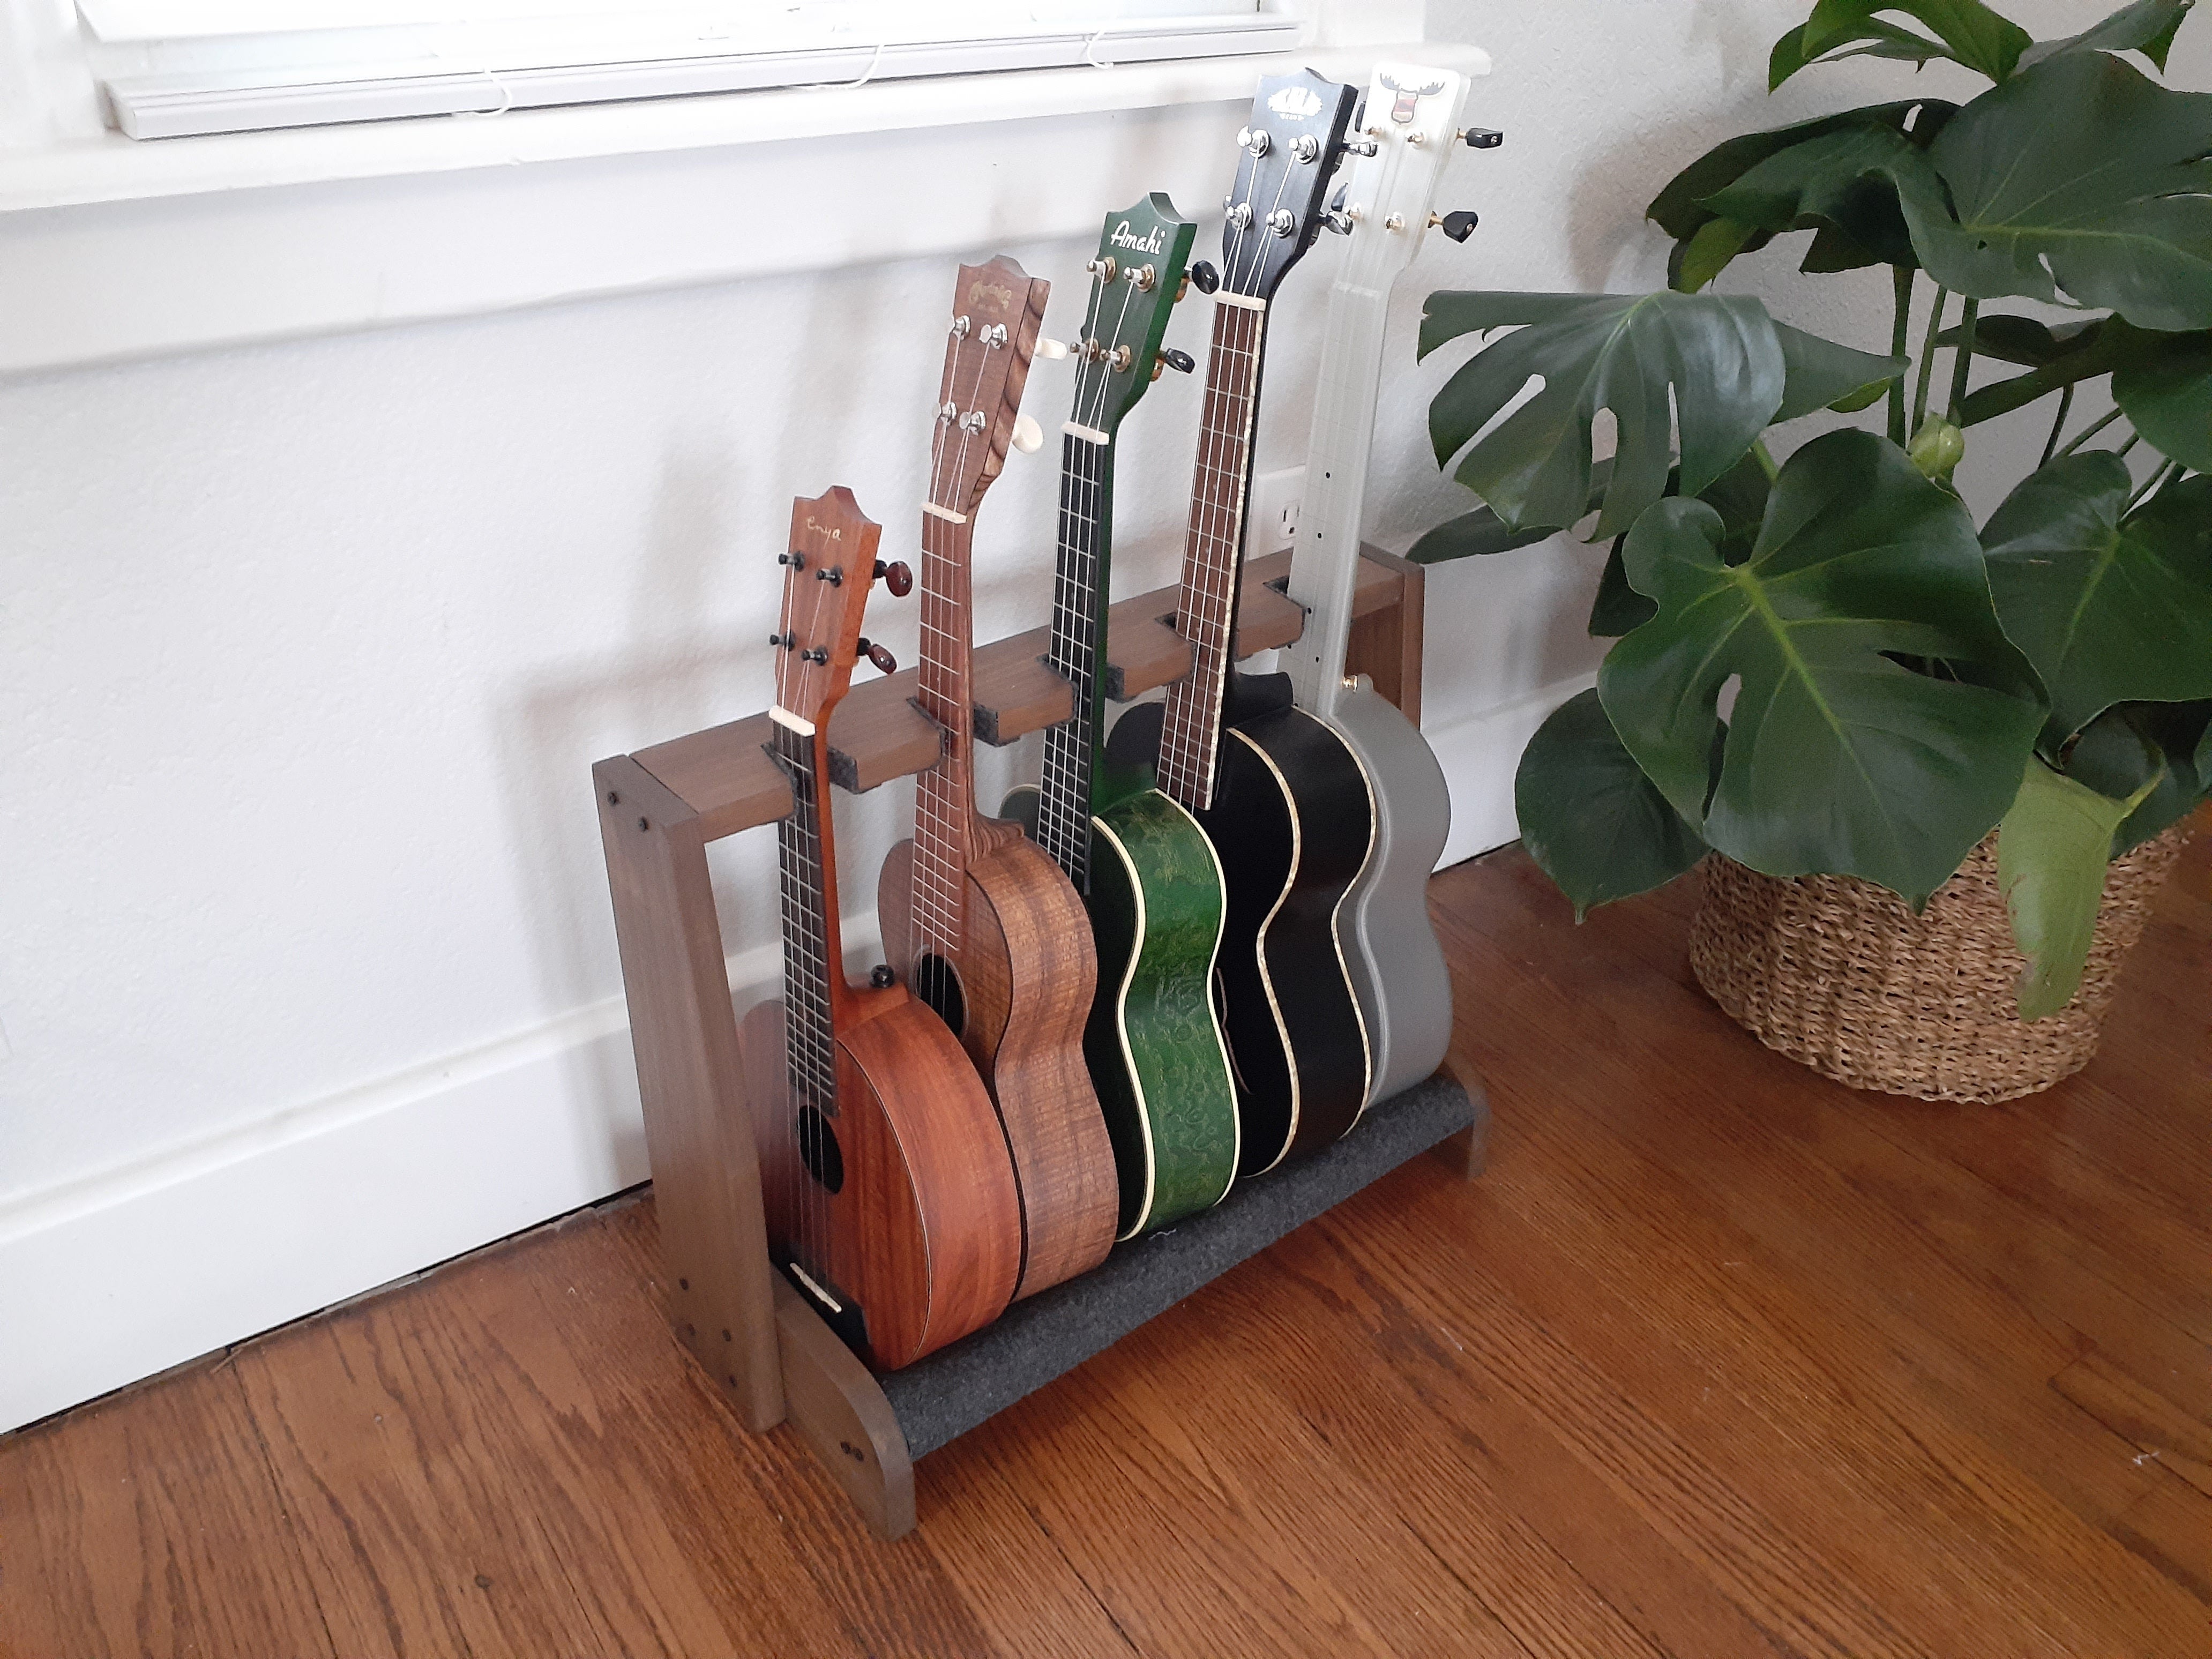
{"x": 125, "y": 1274}
{"x": 1480, "y": 753}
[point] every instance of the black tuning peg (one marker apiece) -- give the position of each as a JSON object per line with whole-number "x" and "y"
{"x": 1336, "y": 218}
{"x": 796, "y": 561}
{"x": 1181, "y": 361}
{"x": 1458, "y": 226}
{"x": 819, "y": 653}
{"x": 1205, "y": 277}
{"x": 834, "y": 574}
{"x": 1483, "y": 137}
{"x": 786, "y": 641}
{"x": 885, "y": 662}
{"x": 896, "y": 577}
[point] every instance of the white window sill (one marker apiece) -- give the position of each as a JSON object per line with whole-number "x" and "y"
{"x": 113, "y": 249}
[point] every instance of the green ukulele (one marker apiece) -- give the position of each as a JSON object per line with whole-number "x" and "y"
{"x": 1144, "y": 868}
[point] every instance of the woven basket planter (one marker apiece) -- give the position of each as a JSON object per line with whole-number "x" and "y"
{"x": 1840, "y": 974}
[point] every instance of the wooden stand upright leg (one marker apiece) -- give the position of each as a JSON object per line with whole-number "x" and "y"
{"x": 1468, "y": 1152}
{"x": 1386, "y": 644}
{"x": 705, "y": 1175}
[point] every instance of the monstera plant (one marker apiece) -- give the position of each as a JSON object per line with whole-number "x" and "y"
{"x": 1823, "y": 666}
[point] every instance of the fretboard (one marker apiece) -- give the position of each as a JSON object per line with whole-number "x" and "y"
{"x": 809, "y": 927}
{"x": 1214, "y": 543}
{"x": 1078, "y": 650}
{"x": 945, "y": 798}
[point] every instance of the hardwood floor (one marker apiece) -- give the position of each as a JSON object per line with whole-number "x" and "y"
{"x": 1718, "y": 1359}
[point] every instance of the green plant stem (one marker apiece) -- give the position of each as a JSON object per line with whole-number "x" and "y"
{"x": 2065, "y": 408}
{"x": 1962, "y": 360}
{"x": 1901, "y": 337}
{"x": 1927, "y": 356}
{"x": 2134, "y": 438}
{"x": 2089, "y": 432}
{"x": 2160, "y": 474}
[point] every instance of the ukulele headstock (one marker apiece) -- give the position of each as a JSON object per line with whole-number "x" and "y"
{"x": 996, "y": 310}
{"x": 1136, "y": 278}
{"x": 1290, "y": 146}
{"x": 1409, "y": 130}
{"x": 827, "y": 571}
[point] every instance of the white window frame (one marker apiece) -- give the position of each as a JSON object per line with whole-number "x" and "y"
{"x": 163, "y": 73}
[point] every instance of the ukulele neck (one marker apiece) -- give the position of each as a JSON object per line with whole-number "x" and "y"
{"x": 813, "y": 975}
{"x": 945, "y": 796}
{"x": 1325, "y": 569}
{"x": 1078, "y": 652}
{"x": 1214, "y": 548}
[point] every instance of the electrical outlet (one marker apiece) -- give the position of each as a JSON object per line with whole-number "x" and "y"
{"x": 1275, "y": 501}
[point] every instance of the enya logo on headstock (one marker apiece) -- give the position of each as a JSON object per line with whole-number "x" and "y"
{"x": 1401, "y": 112}
{"x": 815, "y": 527}
{"x": 1123, "y": 237}
{"x": 1296, "y": 102}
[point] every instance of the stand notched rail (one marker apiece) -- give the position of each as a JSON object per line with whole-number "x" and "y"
{"x": 659, "y": 809}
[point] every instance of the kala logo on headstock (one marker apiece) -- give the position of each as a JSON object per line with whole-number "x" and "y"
{"x": 1294, "y": 139}
{"x": 994, "y": 296}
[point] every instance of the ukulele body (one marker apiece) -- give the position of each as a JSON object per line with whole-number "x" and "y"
{"x": 918, "y": 1244}
{"x": 1025, "y": 982}
{"x": 1293, "y": 821}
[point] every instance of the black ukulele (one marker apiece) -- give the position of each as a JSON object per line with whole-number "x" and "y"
{"x": 1284, "y": 802}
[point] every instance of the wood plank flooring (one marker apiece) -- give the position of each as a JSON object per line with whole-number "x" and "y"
{"x": 1719, "y": 1360}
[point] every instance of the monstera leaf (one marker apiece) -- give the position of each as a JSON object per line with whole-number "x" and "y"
{"x": 1965, "y": 31}
{"x": 1718, "y": 369}
{"x": 2146, "y": 27}
{"x": 1738, "y": 495}
{"x": 2081, "y": 174}
{"x": 2052, "y": 851}
{"x": 2164, "y": 383}
{"x": 1589, "y": 817}
{"x": 2110, "y": 606}
{"x": 2133, "y": 746}
{"x": 1706, "y": 241}
{"x": 1847, "y": 181}
{"x": 1838, "y": 759}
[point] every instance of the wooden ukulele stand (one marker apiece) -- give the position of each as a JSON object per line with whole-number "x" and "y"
{"x": 773, "y": 1355}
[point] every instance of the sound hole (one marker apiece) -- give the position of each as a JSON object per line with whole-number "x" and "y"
{"x": 818, "y": 1146}
{"x": 937, "y": 984}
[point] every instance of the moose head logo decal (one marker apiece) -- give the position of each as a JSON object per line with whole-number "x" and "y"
{"x": 1401, "y": 112}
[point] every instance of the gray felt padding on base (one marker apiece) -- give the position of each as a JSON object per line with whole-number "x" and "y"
{"x": 1056, "y": 1330}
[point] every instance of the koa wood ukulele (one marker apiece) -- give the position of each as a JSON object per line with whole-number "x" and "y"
{"x": 1284, "y": 801}
{"x": 1410, "y": 125}
{"x": 982, "y": 925}
{"x": 1147, "y": 871}
{"x": 889, "y": 1197}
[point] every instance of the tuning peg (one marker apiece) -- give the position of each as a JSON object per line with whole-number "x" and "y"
{"x": 1029, "y": 436}
{"x": 819, "y": 653}
{"x": 796, "y": 561}
{"x": 896, "y": 577}
{"x": 1336, "y": 218}
{"x": 1205, "y": 276}
{"x": 1481, "y": 137}
{"x": 885, "y": 662}
{"x": 785, "y": 641}
{"x": 1457, "y": 226}
{"x": 1051, "y": 348}
{"x": 1181, "y": 361}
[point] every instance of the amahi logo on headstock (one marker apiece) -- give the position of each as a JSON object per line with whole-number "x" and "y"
{"x": 1124, "y": 237}
{"x": 1000, "y": 296}
{"x": 1298, "y": 103}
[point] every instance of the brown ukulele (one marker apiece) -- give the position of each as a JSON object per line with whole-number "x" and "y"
{"x": 976, "y": 918}
{"x": 890, "y": 1200}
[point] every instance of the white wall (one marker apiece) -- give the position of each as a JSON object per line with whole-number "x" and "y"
{"x": 309, "y": 977}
